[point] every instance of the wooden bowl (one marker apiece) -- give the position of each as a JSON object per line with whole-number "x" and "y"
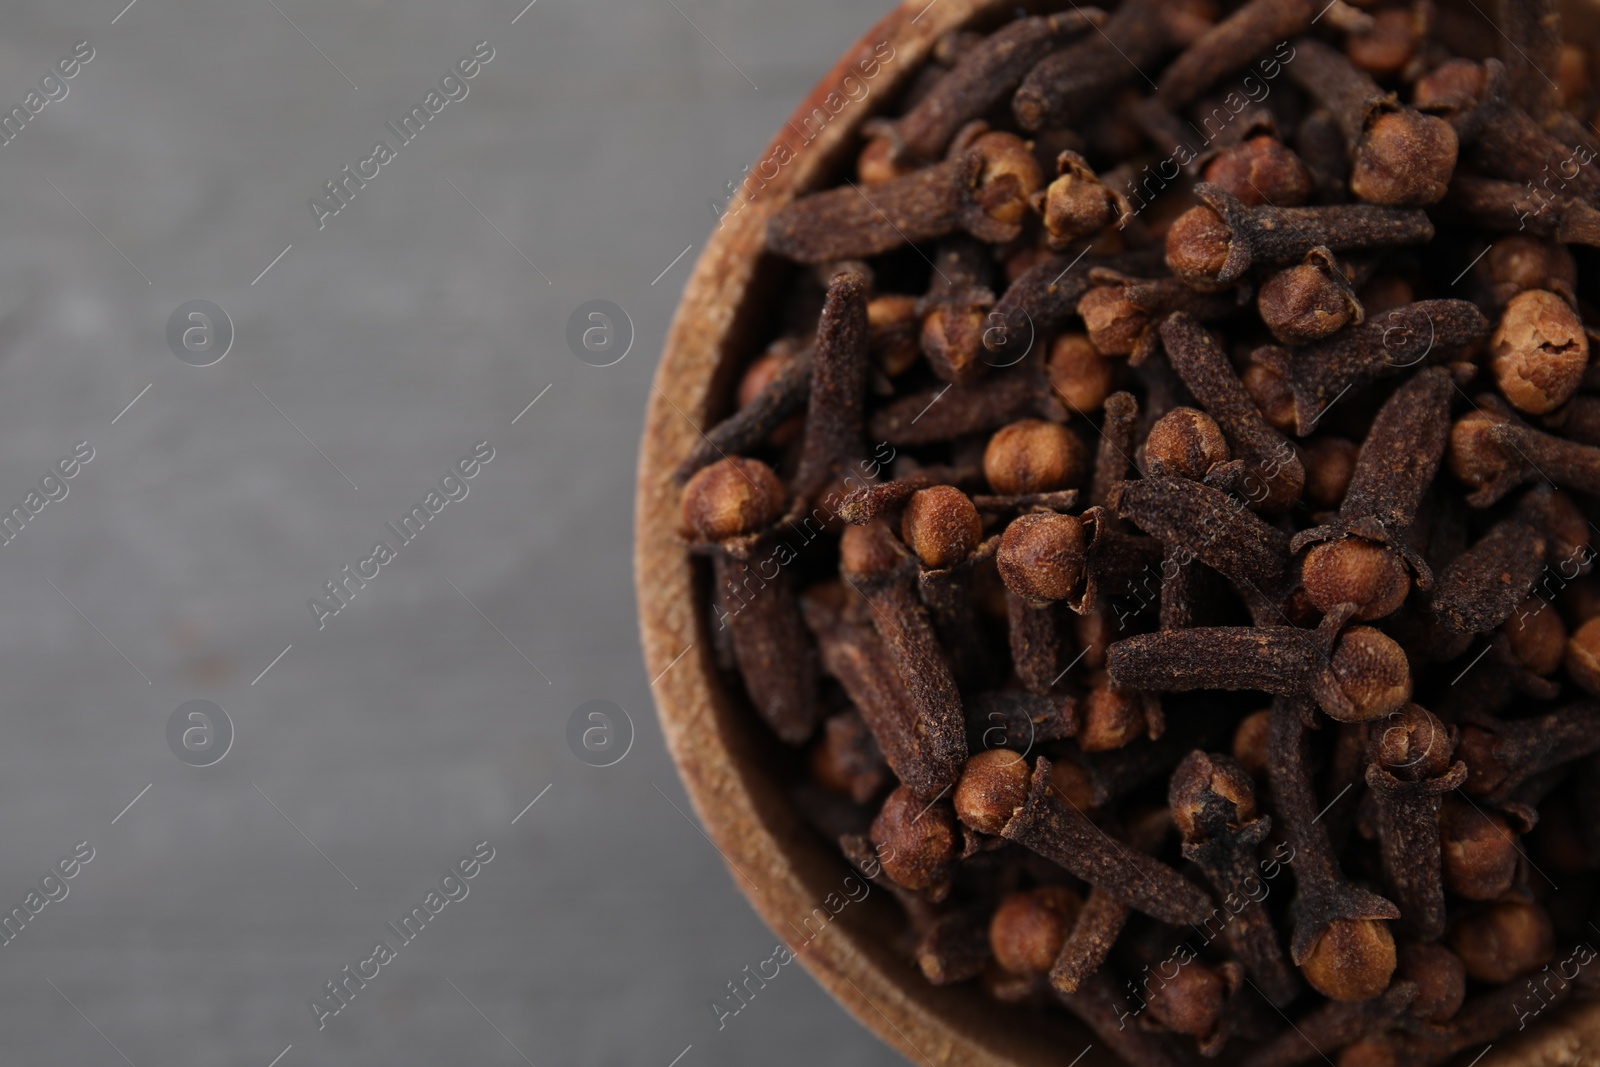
{"x": 724, "y": 753}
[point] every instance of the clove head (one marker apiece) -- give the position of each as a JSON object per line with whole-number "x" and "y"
{"x": 1452, "y": 88}
{"x": 733, "y": 497}
{"x": 1440, "y": 977}
{"x": 941, "y": 526}
{"x": 1384, "y": 49}
{"x": 1583, "y": 657}
{"x": 1351, "y": 960}
{"x": 1478, "y": 851}
{"x": 1190, "y": 1003}
{"x": 1267, "y": 382}
{"x": 1504, "y": 940}
{"x": 1539, "y": 352}
{"x": 1185, "y": 443}
{"x": 1114, "y": 322}
{"x": 1474, "y": 456}
{"x": 1034, "y": 456}
{"x": 1372, "y": 671}
{"x": 1329, "y": 463}
{"x": 993, "y": 786}
{"x": 916, "y": 842}
{"x": 1008, "y": 176}
{"x": 1355, "y": 571}
{"x": 1405, "y": 160}
{"x": 1261, "y": 170}
{"x": 1205, "y": 784}
{"x": 1029, "y": 928}
{"x": 1302, "y": 304}
{"x": 1042, "y": 555}
{"x": 1250, "y": 742}
{"x": 1079, "y": 374}
{"x": 1413, "y": 745}
{"x": 1076, "y": 204}
{"x": 1112, "y": 718}
{"x": 892, "y": 330}
{"x": 1536, "y": 637}
{"x": 1197, "y": 247}
{"x": 1520, "y": 262}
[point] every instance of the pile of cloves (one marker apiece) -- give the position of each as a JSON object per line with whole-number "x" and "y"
{"x": 1159, "y": 525}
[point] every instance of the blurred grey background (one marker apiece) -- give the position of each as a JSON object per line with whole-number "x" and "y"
{"x": 368, "y": 357}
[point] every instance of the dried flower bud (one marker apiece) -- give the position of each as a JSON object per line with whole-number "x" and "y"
{"x": 993, "y": 785}
{"x": 1351, "y": 960}
{"x": 1077, "y": 204}
{"x": 1413, "y": 745}
{"x": 1306, "y": 302}
{"x": 916, "y": 842}
{"x": 1475, "y": 456}
{"x": 870, "y": 551}
{"x": 1329, "y": 463}
{"x": 941, "y": 526}
{"x": 1079, "y": 374}
{"x": 1373, "y": 672}
{"x": 846, "y": 758}
{"x": 1539, "y": 352}
{"x": 1261, "y": 170}
{"x": 892, "y": 329}
{"x": 1250, "y": 745}
{"x": 1504, "y": 940}
{"x": 1355, "y": 571}
{"x": 1191, "y": 1002}
{"x": 1583, "y": 657}
{"x": 1009, "y": 177}
{"x": 1111, "y": 718}
{"x": 731, "y": 498}
{"x": 1385, "y": 48}
{"x": 1479, "y": 852}
{"x": 1407, "y": 158}
{"x": 1028, "y": 928}
{"x": 1440, "y": 977}
{"x": 1536, "y": 636}
{"x": 1197, "y": 244}
{"x": 1198, "y": 779}
{"x": 1114, "y": 322}
{"x": 876, "y": 163}
{"x": 1453, "y": 86}
{"x": 1520, "y": 262}
{"x": 1034, "y": 456}
{"x": 1185, "y": 443}
{"x": 1267, "y": 382}
{"x": 1042, "y": 555}
{"x": 1073, "y": 784}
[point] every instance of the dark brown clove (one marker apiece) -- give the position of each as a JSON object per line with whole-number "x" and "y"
{"x": 1214, "y": 806}
{"x": 1538, "y": 352}
{"x": 833, "y": 434}
{"x": 1045, "y": 297}
{"x": 1212, "y": 245}
{"x": 1520, "y": 207}
{"x": 1079, "y": 376}
{"x": 951, "y": 411}
{"x": 1029, "y": 927}
{"x": 983, "y": 75}
{"x": 1077, "y": 204}
{"x": 1426, "y": 332}
{"x": 983, "y": 189}
{"x": 1120, "y": 313}
{"x": 1249, "y": 31}
{"x": 1356, "y": 676}
{"x": 876, "y": 564}
{"x": 1114, "y": 455}
{"x": 1410, "y": 769}
{"x": 1055, "y": 830}
{"x": 955, "y": 311}
{"x": 726, "y": 508}
{"x": 1482, "y": 587}
{"x": 1308, "y": 302}
{"x": 1042, "y": 558}
{"x": 1067, "y": 85}
{"x": 1504, "y": 940}
{"x": 1270, "y": 474}
{"x": 1184, "y": 443}
{"x": 1393, "y": 470}
{"x": 1261, "y": 170}
{"x": 1502, "y": 755}
{"x": 1398, "y": 156}
{"x": 1205, "y": 524}
{"x": 916, "y": 842}
{"x": 1339, "y": 938}
{"x": 783, "y": 396}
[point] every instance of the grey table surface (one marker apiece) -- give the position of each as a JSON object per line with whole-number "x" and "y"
{"x": 368, "y": 357}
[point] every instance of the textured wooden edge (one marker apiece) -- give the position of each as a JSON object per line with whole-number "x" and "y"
{"x": 771, "y": 855}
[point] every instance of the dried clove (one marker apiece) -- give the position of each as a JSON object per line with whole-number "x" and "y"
{"x": 1308, "y": 302}
{"x": 1212, "y": 245}
{"x": 833, "y": 435}
{"x": 1252, "y": 29}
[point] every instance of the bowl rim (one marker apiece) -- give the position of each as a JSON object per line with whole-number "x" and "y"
{"x": 747, "y": 818}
